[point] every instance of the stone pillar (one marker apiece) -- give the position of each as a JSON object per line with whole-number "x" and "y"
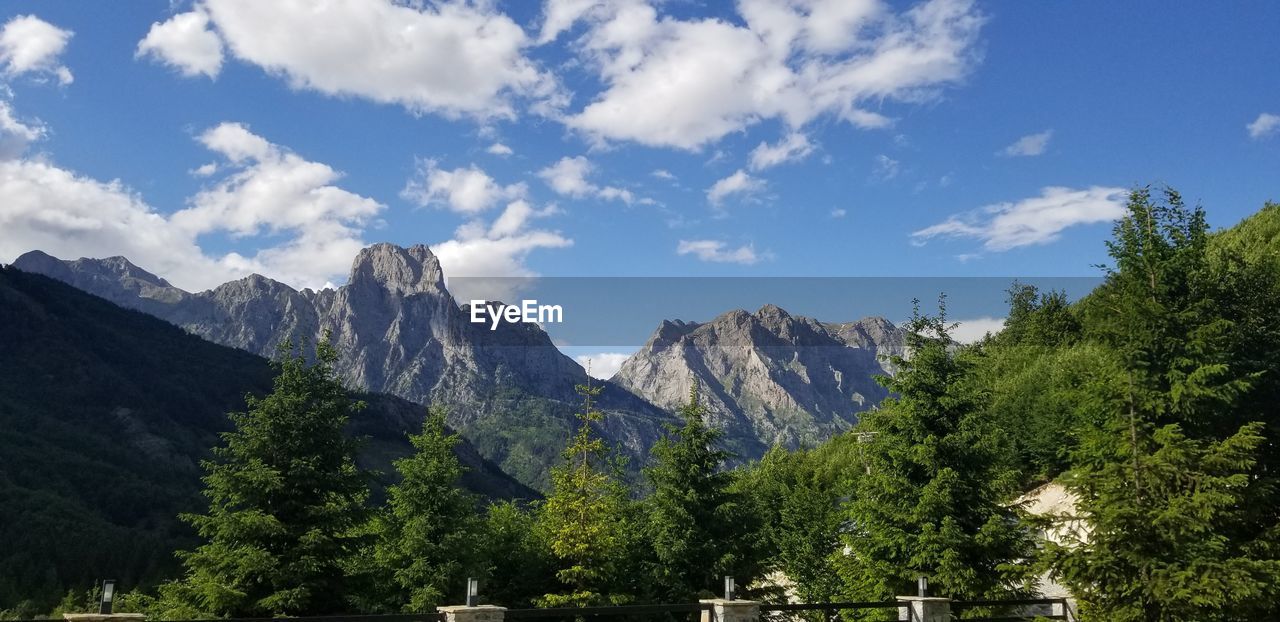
{"x": 104, "y": 617}
{"x": 925, "y": 609}
{"x": 478, "y": 613}
{"x": 731, "y": 610}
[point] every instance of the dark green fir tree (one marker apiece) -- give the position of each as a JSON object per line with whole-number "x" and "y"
{"x": 937, "y": 496}
{"x": 285, "y": 502}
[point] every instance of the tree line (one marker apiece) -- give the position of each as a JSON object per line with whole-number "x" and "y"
{"x": 1152, "y": 399}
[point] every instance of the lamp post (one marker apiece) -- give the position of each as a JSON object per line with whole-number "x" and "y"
{"x": 108, "y": 596}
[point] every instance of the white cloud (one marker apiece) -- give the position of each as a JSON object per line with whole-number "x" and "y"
{"x": 499, "y": 149}
{"x": 839, "y": 213}
{"x": 450, "y": 57}
{"x": 1035, "y": 220}
{"x": 886, "y": 168}
{"x": 687, "y": 82}
{"x": 971, "y": 330}
{"x": 663, "y": 173}
{"x": 479, "y": 250}
{"x": 29, "y": 44}
{"x": 16, "y": 135}
{"x": 1029, "y": 145}
{"x": 602, "y": 365}
{"x": 1264, "y": 126}
{"x": 738, "y": 183}
{"x": 718, "y": 252}
{"x": 270, "y": 190}
{"x": 568, "y": 177}
{"x": 794, "y": 147}
{"x": 186, "y": 43}
{"x": 463, "y": 190}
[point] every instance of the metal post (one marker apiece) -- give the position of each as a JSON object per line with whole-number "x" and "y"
{"x": 108, "y": 596}
{"x": 473, "y": 591}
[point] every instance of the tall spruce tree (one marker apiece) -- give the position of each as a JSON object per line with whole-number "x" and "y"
{"x": 936, "y": 498}
{"x": 426, "y": 538}
{"x": 697, "y": 524}
{"x": 285, "y": 501}
{"x": 586, "y": 518}
{"x": 1166, "y": 471}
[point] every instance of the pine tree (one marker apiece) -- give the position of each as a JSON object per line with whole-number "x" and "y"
{"x": 585, "y": 519}
{"x": 696, "y": 522}
{"x": 936, "y": 499}
{"x": 285, "y": 501}
{"x": 1166, "y": 471}
{"x": 427, "y": 535}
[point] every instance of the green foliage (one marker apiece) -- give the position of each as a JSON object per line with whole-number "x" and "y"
{"x": 425, "y": 537}
{"x": 698, "y": 526}
{"x": 285, "y": 502}
{"x": 519, "y": 566}
{"x": 797, "y": 498}
{"x": 1166, "y": 472}
{"x": 936, "y": 499}
{"x": 585, "y": 519}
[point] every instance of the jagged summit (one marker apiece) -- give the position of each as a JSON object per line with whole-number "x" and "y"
{"x": 400, "y": 270}
{"x": 770, "y": 376}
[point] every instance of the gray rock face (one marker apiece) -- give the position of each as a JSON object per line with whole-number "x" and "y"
{"x": 768, "y": 378}
{"x": 399, "y": 331}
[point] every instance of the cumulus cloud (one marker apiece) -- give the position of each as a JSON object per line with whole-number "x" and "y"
{"x": 716, "y": 251}
{"x": 971, "y": 330}
{"x": 314, "y": 227}
{"x": 568, "y": 177}
{"x": 1035, "y": 220}
{"x": 1029, "y": 145}
{"x": 464, "y": 190}
{"x": 186, "y": 43}
{"x": 479, "y": 250}
{"x": 499, "y": 149}
{"x": 794, "y": 147}
{"x": 30, "y": 45}
{"x": 602, "y": 365}
{"x": 738, "y": 183}
{"x": 454, "y": 58}
{"x": 1264, "y": 126}
{"x": 684, "y": 83}
{"x": 839, "y": 212}
{"x": 663, "y": 173}
{"x": 15, "y": 135}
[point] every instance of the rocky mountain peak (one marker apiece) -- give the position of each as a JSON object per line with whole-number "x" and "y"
{"x": 397, "y": 269}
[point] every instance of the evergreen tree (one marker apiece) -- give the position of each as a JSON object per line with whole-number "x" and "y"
{"x": 936, "y": 499}
{"x": 426, "y": 536}
{"x": 519, "y": 568}
{"x": 585, "y": 519}
{"x": 285, "y": 502}
{"x": 1166, "y": 473}
{"x": 697, "y": 524}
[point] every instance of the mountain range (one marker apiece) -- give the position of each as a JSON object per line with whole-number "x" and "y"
{"x": 768, "y": 378}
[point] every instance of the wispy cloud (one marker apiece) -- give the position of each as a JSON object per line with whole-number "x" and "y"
{"x": 1264, "y": 126}
{"x": 1029, "y": 145}
{"x": 716, "y": 251}
{"x": 1034, "y": 220}
{"x": 738, "y": 183}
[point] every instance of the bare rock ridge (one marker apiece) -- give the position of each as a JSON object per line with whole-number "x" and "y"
{"x": 400, "y": 332}
{"x": 769, "y": 377}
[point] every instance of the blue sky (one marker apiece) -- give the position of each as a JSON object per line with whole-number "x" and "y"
{"x": 939, "y": 138}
